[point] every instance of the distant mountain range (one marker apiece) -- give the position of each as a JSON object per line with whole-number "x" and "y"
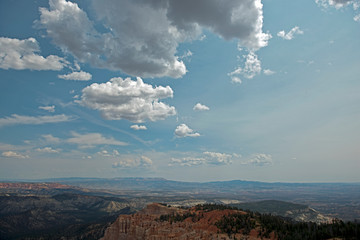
{"x": 341, "y": 200}
{"x": 161, "y": 184}
{"x": 82, "y": 208}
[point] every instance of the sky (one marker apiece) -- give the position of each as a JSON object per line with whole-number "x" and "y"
{"x": 205, "y": 90}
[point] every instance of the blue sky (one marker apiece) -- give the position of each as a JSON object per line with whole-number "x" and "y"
{"x": 195, "y": 91}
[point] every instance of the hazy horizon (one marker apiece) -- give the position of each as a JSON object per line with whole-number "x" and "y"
{"x": 207, "y": 91}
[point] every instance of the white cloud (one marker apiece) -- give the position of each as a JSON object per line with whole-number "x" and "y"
{"x": 337, "y": 3}
{"x": 23, "y": 54}
{"x": 11, "y": 154}
{"x": 146, "y": 160}
{"x": 200, "y": 107}
{"x": 235, "y": 79}
{"x": 7, "y": 147}
{"x": 184, "y": 131}
{"x": 210, "y": 158}
{"x": 50, "y": 138}
{"x": 202, "y": 38}
{"x": 141, "y": 161}
{"x": 92, "y": 139}
{"x": 48, "y": 108}
{"x": 219, "y": 158}
{"x": 19, "y": 119}
{"x": 187, "y": 54}
{"x": 250, "y": 70}
{"x": 138, "y": 127}
{"x": 268, "y": 72}
{"x": 79, "y": 76}
{"x": 187, "y": 161}
{"x": 104, "y": 153}
{"x": 141, "y": 37}
{"x": 290, "y": 35}
{"x": 135, "y": 101}
{"x": 260, "y": 159}
{"x": 357, "y": 18}
{"x": 47, "y": 150}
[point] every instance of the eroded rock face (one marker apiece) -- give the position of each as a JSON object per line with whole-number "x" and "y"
{"x": 146, "y": 225}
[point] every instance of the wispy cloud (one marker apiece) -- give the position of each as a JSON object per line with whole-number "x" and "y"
{"x": 48, "y": 108}
{"x": 259, "y": 159}
{"x": 141, "y": 161}
{"x": 291, "y": 34}
{"x": 47, "y": 150}
{"x": 34, "y": 120}
{"x": 339, "y": 4}
{"x": 12, "y": 154}
{"x": 205, "y": 158}
{"x": 268, "y": 72}
{"x": 93, "y": 139}
{"x": 78, "y": 76}
{"x": 187, "y": 161}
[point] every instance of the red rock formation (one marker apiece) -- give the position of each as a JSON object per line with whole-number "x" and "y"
{"x": 146, "y": 225}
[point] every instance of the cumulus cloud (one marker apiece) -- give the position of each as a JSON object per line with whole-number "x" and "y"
{"x": 251, "y": 68}
{"x": 138, "y": 127}
{"x": 200, "y": 107}
{"x": 268, "y": 72}
{"x": 290, "y": 35}
{"x": 135, "y": 101}
{"x": 47, "y": 150}
{"x": 184, "y": 131}
{"x": 235, "y": 79}
{"x": 48, "y": 108}
{"x": 11, "y": 154}
{"x": 260, "y": 159}
{"x": 219, "y": 158}
{"x": 141, "y": 161}
{"x": 78, "y": 76}
{"x": 34, "y": 120}
{"x": 23, "y": 54}
{"x": 187, "y": 161}
{"x": 141, "y": 37}
{"x": 338, "y": 3}
{"x": 92, "y": 139}
{"x": 210, "y": 158}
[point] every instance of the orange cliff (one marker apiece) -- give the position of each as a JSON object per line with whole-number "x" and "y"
{"x": 146, "y": 224}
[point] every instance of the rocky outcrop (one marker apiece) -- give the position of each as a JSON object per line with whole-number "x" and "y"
{"x": 146, "y": 224}
{"x": 307, "y": 215}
